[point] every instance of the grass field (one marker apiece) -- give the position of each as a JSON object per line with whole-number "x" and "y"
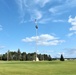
{"x": 38, "y": 68}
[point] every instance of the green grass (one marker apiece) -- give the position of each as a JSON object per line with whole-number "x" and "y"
{"x": 38, "y": 68}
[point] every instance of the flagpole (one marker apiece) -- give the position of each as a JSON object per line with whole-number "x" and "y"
{"x": 36, "y": 59}
{"x": 36, "y": 44}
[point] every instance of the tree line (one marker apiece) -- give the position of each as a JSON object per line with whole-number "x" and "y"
{"x": 23, "y": 56}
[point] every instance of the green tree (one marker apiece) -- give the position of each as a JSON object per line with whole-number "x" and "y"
{"x": 4, "y": 57}
{"x": 49, "y": 58}
{"x": 28, "y": 57}
{"x": 0, "y": 56}
{"x": 14, "y": 54}
{"x": 18, "y": 55}
{"x": 9, "y": 55}
{"x": 23, "y": 56}
{"x": 61, "y": 58}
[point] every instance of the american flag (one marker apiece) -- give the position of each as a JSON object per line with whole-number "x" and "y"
{"x": 36, "y": 27}
{"x": 36, "y": 24}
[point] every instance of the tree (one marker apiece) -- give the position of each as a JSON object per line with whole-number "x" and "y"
{"x": 4, "y": 56}
{"x": 14, "y": 55}
{"x": 0, "y": 56}
{"x": 23, "y": 56}
{"x": 10, "y": 55}
{"x": 61, "y": 58}
{"x": 49, "y": 58}
{"x": 18, "y": 55}
{"x": 28, "y": 57}
{"x": 41, "y": 57}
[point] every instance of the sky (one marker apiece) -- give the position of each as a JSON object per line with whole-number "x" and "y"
{"x": 56, "y": 20}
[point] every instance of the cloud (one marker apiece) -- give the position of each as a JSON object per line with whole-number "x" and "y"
{"x": 21, "y": 6}
{"x": 73, "y": 28}
{"x": 46, "y": 51}
{"x": 70, "y": 34}
{"x": 71, "y": 3}
{"x": 63, "y": 6}
{"x": 1, "y": 28}
{"x": 58, "y": 20}
{"x": 35, "y": 9}
{"x": 72, "y": 21}
{"x": 71, "y": 51}
{"x": 30, "y": 9}
{"x": 42, "y": 3}
{"x": 36, "y": 14}
{"x": 44, "y": 40}
{"x": 57, "y": 10}
{"x": 68, "y": 53}
{"x": 1, "y": 47}
{"x": 61, "y": 53}
{"x": 53, "y": 10}
{"x": 44, "y": 21}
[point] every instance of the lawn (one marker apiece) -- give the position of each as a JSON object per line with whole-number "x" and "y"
{"x": 38, "y": 68}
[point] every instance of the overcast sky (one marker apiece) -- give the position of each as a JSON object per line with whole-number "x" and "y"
{"x": 56, "y": 20}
